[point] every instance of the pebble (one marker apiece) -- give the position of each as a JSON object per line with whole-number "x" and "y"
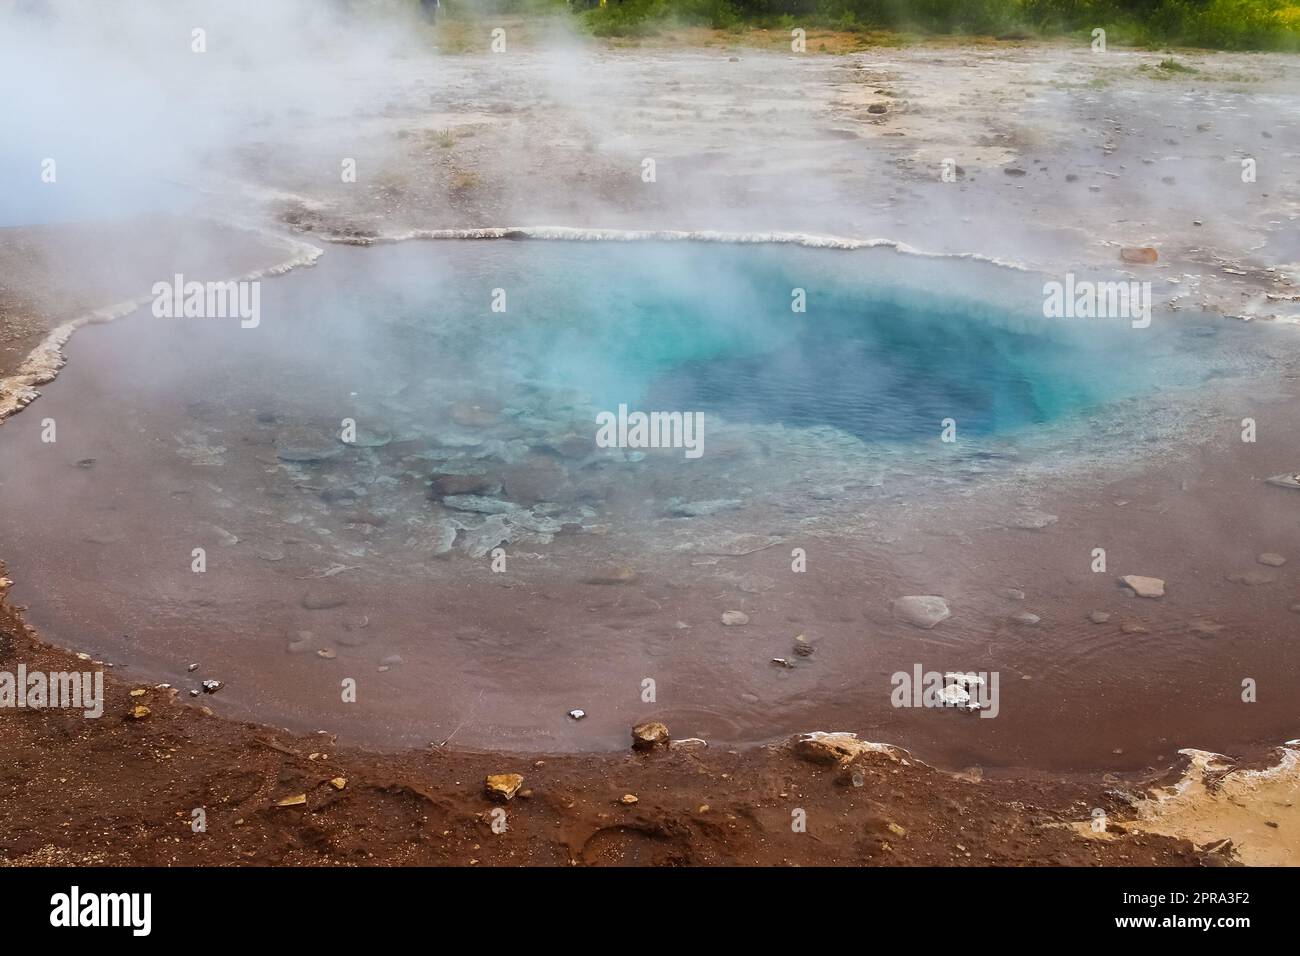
{"x": 650, "y": 734}
{"x": 1143, "y": 586}
{"x": 1099, "y": 617}
{"x": 1024, "y": 617}
{"x": 1271, "y": 559}
{"x": 734, "y": 618}
{"x": 502, "y": 787}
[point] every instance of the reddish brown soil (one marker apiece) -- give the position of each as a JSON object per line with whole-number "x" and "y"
{"x": 119, "y": 791}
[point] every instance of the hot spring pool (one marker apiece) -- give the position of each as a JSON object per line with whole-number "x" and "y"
{"x": 475, "y": 442}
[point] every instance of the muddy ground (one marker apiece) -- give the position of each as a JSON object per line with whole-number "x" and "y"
{"x": 745, "y": 140}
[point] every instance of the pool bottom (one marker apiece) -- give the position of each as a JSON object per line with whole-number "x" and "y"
{"x": 624, "y": 621}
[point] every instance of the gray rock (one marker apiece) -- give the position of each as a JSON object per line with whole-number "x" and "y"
{"x": 479, "y": 504}
{"x": 734, "y": 618}
{"x": 1271, "y": 559}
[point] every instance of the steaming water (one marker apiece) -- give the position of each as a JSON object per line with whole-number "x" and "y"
{"x": 176, "y": 434}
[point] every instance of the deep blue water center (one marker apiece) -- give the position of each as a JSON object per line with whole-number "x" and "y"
{"x": 888, "y": 346}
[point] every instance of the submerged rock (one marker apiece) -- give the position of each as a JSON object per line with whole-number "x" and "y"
{"x": 444, "y": 485}
{"x": 1145, "y": 255}
{"x": 492, "y": 533}
{"x": 1252, "y": 578}
{"x": 319, "y": 600}
{"x": 479, "y": 504}
{"x": 612, "y": 574}
{"x": 1032, "y": 520}
{"x": 922, "y": 610}
{"x": 698, "y": 509}
{"x": 1289, "y": 480}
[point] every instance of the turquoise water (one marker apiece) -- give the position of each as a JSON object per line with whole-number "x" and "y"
{"x": 404, "y": 340}
{"x": 888, "y": 346}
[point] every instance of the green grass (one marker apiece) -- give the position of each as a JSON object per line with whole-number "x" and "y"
{"x": 1209, "y": 24}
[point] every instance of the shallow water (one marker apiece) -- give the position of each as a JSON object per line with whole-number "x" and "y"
{"x": 475, "y": 432}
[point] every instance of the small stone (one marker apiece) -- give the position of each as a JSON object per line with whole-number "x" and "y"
{"x": 628, "y": 799}
{"x": 802, "y": 647}
{"x": 650, "y": 734}
{"x": 338, "y": 783}
{"x": 896, "y": 830}
{"x": 140, "y": 712}
{"x": 1012, "y": 594}
{"x": 877, "y": 108}
{"x": 212, "y": 686}
{"x": 577, "y": 714}
{"x": 502, "y": 787}
{"x": 1271, "y": 559}
{"x": 1099, "y": 617}
{"x": 326, "y": 653}
{"x": 297, "y": 800}
{"x": 612, "y": 574}
{"x": 139, "y": 692}
{"x": 1253, "y": 578}
{"x": 322, "y": 600}
{"x": 1032, "y": 520}
{"x": 782, "y": 662}
{"x": 1288, "y": 480}
{"x": 734, "y": 618}
{"x": 829, "y": 748}
{"x": 1138, "y": 254}
{"x": 1205, "y": 628}
{"x": 1133, "y": 629}
{"x": 922, "y": 610}
{"x": 1024, "y": 617}
{"x": 1144, "y": 587}
{"x": 192, "y": 668}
